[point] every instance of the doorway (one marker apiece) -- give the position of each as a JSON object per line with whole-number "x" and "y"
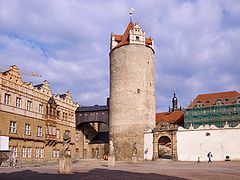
{"x": 164, "y": 147}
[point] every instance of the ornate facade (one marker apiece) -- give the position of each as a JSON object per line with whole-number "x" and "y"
{"x": 34, "y": 119}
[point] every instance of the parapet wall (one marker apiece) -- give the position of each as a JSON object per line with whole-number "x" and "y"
{"x": 221, "y": 142}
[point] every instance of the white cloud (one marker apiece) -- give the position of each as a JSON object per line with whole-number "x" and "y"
{"x": 197, "y": 44}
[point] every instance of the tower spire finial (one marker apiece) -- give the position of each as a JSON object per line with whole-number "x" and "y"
{"x": 131, "y": 10}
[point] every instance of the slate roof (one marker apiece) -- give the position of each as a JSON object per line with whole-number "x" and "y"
{"x": 92, "y": 108}
{"x": 38, "y": 86}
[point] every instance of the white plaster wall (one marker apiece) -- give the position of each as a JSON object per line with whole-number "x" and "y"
{"x": 4, "y": 143}
{"x": 222, "y": 142}
{"x": 148, "y": 146}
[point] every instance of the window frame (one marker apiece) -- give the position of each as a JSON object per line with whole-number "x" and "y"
{"x": 40, "y": 108}
{"x": 13, "y": 127}
{"x": 29, "y": 152}
{"x": 18, "y": 102}
{"x": 7, "y": 99}
{"x": 29, "y": 105}
{"x": 24, "y": 152}
{"x": 27, "y": 129}
{"x": 39, "y": 131}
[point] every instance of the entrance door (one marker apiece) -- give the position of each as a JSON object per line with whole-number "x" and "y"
{"x": 164, "y": 147}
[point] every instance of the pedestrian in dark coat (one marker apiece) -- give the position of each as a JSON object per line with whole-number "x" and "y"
{"x": 209, "y": 155}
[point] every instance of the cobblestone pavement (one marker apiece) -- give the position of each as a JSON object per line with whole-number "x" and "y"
{"x": 96, "y": 169}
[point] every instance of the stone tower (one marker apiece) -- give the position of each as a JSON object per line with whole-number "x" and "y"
{"x": 132, "y": 91}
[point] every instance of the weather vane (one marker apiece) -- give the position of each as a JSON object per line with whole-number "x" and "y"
{"x": 131, "y": 13}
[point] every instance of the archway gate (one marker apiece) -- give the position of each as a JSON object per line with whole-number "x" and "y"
{"x": 168, "y": 130}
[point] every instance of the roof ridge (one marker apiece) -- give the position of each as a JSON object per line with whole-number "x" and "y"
{"x": 223, "y": 92}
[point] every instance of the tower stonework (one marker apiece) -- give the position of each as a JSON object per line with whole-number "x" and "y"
{"x": 132, "y": 91}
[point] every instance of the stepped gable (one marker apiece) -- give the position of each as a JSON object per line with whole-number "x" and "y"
{"x": 132, "y": 29}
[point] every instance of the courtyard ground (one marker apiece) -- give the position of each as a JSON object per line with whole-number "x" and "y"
{"x": 147, "y": 170}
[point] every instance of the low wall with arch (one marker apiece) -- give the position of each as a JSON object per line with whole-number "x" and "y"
{"x": 196, "y": 143}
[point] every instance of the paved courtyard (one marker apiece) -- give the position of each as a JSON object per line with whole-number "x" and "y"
{"x": 96, "y": 169}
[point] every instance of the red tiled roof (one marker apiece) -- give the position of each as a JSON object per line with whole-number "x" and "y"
{"x": 148, "y": 41}
{"x": 227, "y": 98}
{"x": 124, "y": 39}
{"x": 170, "y": 117}
{"x": 118, "y": 37}
{"x": 125, "y": 36}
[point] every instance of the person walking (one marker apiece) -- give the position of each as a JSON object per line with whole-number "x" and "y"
{"x": 209, "y": 155}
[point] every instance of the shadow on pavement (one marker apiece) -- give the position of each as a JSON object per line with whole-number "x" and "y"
{"x": 99, "y": 174}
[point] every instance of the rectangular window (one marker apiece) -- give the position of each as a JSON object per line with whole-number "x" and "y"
{"x": 24, "y": 152}
{"x": 7, "y": 99}
{"x": 54, "y": 153}
{"x": 57, "y": 153}
{"x": 18, "y": 102}
{"x": 27, "y": 130}
{"x": 39, "y": 131}
{"x": 47, "y": 130}
{"x": 40, "y": 108}
{"x": 138, "y": 91}
{"x": 58, "y": 114}
{"x": 29, "y": 152}
{"x": 50, "y": 130}
{"x": 13, "y": 127}
{"x": 54, "y": 131}
{"x": 42, "y": 153}
{"x": 58, "y": 133}
{"x": 14, "y": 150}
{"x": 37, "y": 152}
{"x": 29, "y": 105}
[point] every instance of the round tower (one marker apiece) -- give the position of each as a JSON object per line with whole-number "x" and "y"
{"x": 132, "y": 91}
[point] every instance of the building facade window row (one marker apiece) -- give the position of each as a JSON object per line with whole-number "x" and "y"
{"x": 19, "y": 103}
{"x": 27, "y": 129}
{"x": 50, "y": 130}
{"x": 27, "y": 152}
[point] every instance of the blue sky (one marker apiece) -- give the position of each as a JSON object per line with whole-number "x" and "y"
{"x": 197, "y": 44}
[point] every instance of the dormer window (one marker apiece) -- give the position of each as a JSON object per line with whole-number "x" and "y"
{"x": 219, "y": 102}
{"x": 238, "y": 100}
{"x": 199, "y": 104}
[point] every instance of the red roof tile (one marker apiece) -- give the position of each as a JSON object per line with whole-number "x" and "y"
{"x": 124, "y": 39}
{"x": 227, "y": 98}
{"x": 170, "y": 117}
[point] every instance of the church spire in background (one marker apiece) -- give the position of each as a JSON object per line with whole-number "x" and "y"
{"x": 174, "y": 101}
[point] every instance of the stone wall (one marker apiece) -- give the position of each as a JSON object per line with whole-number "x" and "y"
{"x": 193, "y": 143}
{"x": 132, "y": 98}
